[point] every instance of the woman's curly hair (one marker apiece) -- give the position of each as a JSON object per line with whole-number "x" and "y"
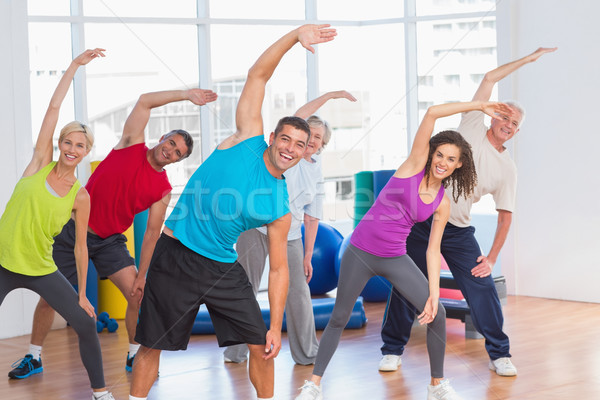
{"x": 463, "y": 179}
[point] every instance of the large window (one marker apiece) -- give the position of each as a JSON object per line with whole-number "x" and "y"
{"x": 397, "y": 58}
{"x": 453, "y": 56}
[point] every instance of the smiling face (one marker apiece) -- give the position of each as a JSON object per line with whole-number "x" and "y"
{"x": 317, "y": 133}
{"x": 285, "y": 149}
{"x": 504, "y": 129}
{"x": 73, "y": 147}
{"x": 169, "y": 150}
{"x": 444, "y": 160}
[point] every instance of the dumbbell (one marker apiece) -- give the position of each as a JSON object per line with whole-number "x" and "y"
{"x": 104, "y": 321}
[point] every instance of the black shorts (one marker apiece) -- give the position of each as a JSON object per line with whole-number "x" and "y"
{"x": 109, "y": 255}
{"x": 179, "y": 281}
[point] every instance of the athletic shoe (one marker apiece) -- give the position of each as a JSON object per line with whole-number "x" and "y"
{"x": 229, "y": 360}
{"x": 503, "y": 367}
{"x": 129, "y": 363}
{"x": 107, "y": 396}
{"x": 443, "y": 391}
{"x": 389, "y": 362}
{"x": 25, "y": 367}
{"x": 310, "y": 391}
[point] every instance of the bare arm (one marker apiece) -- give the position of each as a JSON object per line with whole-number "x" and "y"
{"x": 156, "y": 217}
{"x": 312, "y": 106}
{"x": 311, "y": 226}
{"x": 42, "y": 154}
{"x": 494, "y": 76}
{"x": 81, "y": 211}
{"x": 277, "y": 232}
{"x": 434, "y": 260}
{"x": 133, "y": 131}
{"x": 486, "y": 264}
{"x": 248, "y": 116}
{"x": 420, "y": 149}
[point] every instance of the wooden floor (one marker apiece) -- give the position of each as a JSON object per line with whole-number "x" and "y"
{"x": 555, "y": 346}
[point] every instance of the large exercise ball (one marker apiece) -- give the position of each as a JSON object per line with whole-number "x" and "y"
{"x": 376, "y": 289}
{"x": 327, "y": 243}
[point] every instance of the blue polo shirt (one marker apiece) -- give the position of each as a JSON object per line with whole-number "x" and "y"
{"x": 231, "y": 192}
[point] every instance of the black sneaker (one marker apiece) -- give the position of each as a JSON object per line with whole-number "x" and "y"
{"x": 129, "y": 363}
{"x": 25, "y": 367}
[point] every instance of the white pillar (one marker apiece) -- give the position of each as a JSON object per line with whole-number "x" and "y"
{"x": 15, "y": 128}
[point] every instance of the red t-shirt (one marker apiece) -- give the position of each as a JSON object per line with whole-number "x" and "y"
{"x": 123, "y": 185}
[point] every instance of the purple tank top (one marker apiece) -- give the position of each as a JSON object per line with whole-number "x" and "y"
{"x": 384, "y": 228}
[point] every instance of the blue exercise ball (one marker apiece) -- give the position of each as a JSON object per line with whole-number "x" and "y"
{"x": 327, "y": 243}
{"x": 377, "y": 288}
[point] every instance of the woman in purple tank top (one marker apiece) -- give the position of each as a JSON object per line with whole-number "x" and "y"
{"x": 378, "y": 244}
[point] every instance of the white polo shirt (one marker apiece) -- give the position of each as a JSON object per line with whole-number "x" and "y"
{"x": 305, "y": 186}
{"x": 496, "y": 172}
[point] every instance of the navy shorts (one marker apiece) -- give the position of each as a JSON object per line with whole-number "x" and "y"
{"x": 179, "y": 281}
{"x": 109, "y": 255}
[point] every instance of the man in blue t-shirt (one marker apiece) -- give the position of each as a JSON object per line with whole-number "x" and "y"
{"x": 239, "y": 187}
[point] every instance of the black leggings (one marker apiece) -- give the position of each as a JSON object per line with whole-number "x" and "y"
{"x": 356, "y": 269}
{"x": 61, "y": 296}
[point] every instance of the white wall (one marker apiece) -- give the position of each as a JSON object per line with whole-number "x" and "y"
{"x": 15, "y": 128}
{"x": 553, "y": 248}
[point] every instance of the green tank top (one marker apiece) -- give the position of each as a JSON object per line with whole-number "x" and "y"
{"x": 31, "y": 220}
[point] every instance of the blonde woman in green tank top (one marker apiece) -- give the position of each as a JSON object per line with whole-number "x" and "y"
{"x": 43, "y": 200}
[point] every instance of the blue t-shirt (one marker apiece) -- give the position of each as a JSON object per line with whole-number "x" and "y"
{"x": 231, "y": 192}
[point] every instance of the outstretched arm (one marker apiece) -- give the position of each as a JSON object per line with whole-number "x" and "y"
{"x": 434, "y": 261}
{"x": 42, "y": 154}
{"x": 312, "y": 106}
{"x": 420, "y": 149}
{"x": 311, "y": 227}
{"x": 81, "y": 210}
{"x": 133, "y": 131}
{"x": 277, "y": 232}
{"x": 486, "y": 263}
{"x": 156, "y": 217}
{"x": 484, "y": 91}
{"x": 248, "y": 118}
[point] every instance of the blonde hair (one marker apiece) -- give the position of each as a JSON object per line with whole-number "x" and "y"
{"x": 76, "y": 126}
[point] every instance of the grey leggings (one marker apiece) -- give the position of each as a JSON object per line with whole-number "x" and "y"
{"x": 356, "y": 269}
{"x": 59, "y": 294}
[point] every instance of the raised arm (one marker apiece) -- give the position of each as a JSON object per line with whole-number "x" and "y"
{"x": 133, "y": 131}
{"x": 312, "y": 106}
{"x": 420, "y": 149}
{"x": 156, "y": 217}
{"x": 42, "y": 154}
{"x": 484, "y": 91}
{"x": 277, "y": 232}
{"x": 248, "y": 118}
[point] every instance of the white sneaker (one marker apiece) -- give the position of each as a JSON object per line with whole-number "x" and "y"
{"x": 310, "y": 391}
{"x": 503, "y": 367}
{"x": 107, "y": 396}
{"x": 229, "y": 360}
{"x": 389, "y": 362}
{"x": 443, "y": 391}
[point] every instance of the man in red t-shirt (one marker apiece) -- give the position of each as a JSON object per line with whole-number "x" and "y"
{"x": 131, "y": 179}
